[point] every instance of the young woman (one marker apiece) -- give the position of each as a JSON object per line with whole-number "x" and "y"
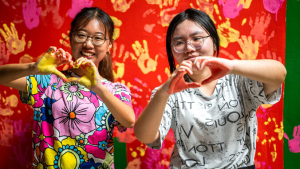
{"x": 209, "y": 102}
{"x": 75, "y": 111}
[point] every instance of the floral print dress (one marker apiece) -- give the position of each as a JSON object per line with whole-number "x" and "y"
{"x": 72, "y": 127}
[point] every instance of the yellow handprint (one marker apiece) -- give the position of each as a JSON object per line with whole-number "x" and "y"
{"x": 249, "y": 49}
{"x": 145, "y": 63}
{"x": 206, "y": 6}
{"x": 227, "y": 34}
{"x": 121, "y": 5}
{"x": 12, "y": 39}
{"x": 117, "y": 24}
{"x": 246, "y": 3}
{"x": 66, "y": 40}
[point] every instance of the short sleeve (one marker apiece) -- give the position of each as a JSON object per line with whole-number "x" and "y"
{"x": 34, "y": 83}
{"x": 120, "y": 91}
{"x": 255, "y": 91}
{"x": 165, "y": 123}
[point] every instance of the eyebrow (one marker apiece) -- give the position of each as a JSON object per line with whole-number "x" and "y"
{"x": 86, "y": 31}
{"x": 191, "y": 35}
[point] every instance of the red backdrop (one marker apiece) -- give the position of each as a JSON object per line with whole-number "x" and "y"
{"x": 248, "y": 30}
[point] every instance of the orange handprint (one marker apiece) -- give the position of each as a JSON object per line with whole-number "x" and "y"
{"x": 4, "y": 54}
{"x": 11, "y": 38}
{"x": 121, "y": 5}
{"x": 249, "y": 49}
{"x": 259, "y": 29}
{"x": 145, "y": 63}
{"x": 227, "y": 34}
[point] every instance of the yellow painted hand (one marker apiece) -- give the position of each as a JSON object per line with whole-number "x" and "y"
{"x": 50, "y": 60}
{"x": 13, "y": 43}
{"x": 250, "y": 49}
{"x": 227, "y": 34}
{"x": 91, "y": 76}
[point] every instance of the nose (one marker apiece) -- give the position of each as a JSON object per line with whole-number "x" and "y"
{"x": 189, "y": 47}
{"x": 89, "y": 42}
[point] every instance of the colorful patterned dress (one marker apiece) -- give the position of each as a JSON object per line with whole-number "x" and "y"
{"x": 72, "y": 126}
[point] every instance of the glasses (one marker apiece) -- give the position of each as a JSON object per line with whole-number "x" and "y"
{"x": 96, "y": 39}
{"x": 196, "y": 43}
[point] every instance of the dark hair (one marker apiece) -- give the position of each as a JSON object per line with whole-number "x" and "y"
{"x": 82, "y": 19}
{"x": 194, "y": 15}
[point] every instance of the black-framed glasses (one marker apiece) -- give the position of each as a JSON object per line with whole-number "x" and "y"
{"x": 197, "y": 42}
{"x": 96, "y": 39}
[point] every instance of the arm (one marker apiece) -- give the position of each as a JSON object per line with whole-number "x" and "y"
{"x": 270, "y": 72}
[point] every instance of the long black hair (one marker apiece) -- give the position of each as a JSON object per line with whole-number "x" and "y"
{"x": 194, "y": 15}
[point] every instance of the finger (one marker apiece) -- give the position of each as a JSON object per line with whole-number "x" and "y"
{"x": 3, "y": 34}
{"x": 193, "y": 85}
{"x": 14, "y": 31}
{"x": 51, "y": 49}
{"x": 286, "y": 136}
{"x": 59, "y": 74}
{"x": 73, "y": 79}
{"x": 134, "y": 47}
{"x": 78, "y": 62}
{"x": 185, "y": 69}
{"x": 295, "y": 131}
{"x": 61, "y": 54}
{"x": 69, "y": 59}
{"x": 299, "y": 131}
{"x": 145, "y": 46}
{"x": 8, "y": 32}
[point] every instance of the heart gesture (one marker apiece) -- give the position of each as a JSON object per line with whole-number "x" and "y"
{"x": 49, "y": 62}
{"x": 91, "y": 77}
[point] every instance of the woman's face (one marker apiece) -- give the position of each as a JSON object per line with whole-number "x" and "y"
{"x": 189, "y": 31}
{"x": 87, "y": 49}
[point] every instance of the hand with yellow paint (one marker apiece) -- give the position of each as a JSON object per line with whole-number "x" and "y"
{"x": 145, "y": 63}
{"x": 249, "y": 48}
{"x": 227, "y": 34}
{"x": 91, "y": 76}
{"x": 51, "y": 59}
{"x": 11, "y": 37}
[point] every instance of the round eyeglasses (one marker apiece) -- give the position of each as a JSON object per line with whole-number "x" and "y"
{"x": 196, "y": 43}
{"x": 96, "y": 39}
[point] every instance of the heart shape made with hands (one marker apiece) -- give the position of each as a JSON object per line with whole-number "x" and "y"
{"x": 217, "y": 67}
{"x": 49, "y": 62}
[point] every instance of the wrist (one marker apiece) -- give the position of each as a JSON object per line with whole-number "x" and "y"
{"x": 33, "y": 68}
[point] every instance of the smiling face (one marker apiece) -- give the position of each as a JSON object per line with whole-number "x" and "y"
{"x": 188, "y": 31}
{"x": 87, "y": 49}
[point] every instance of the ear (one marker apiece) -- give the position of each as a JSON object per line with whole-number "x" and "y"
{"x": 110, "y": 45}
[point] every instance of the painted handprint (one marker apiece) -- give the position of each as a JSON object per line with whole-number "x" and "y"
{"x": 4, "y": 54}
{"x": 259, "y": 28}
{"x": 206, "y": 7}
{"x": 119, "y": 66}
{"x": 273, "y": 6}
{"x": 121, "y": 5}
{"x": 246, "y": 3}
{"x": 269, "y": 56}
{"x": 249, "y": 49}
{"x": 145, "y": 63}
{"x": 50, "y": 13}
{"x": 31, "y": 14}
{"x": 11, "y": 37}
{"x": 294, "y": 144}
{"x": 227, "y": 34}
{"x": 117, "y": 24}
{"x": 77, "y": 5}
{"x": 231, "y": 8}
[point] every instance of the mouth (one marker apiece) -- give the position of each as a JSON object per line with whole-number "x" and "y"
{"x": 87, "y": 54}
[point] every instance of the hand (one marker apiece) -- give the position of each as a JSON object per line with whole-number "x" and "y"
{"x": 227, "y": 34}
{"x": 122, "y": 5}
{"x": 294, "y": 144}
{"x": 13, "y": 44}
{"x": 51, "y": 59}
{"x": 77, "y": 5}
{"x": 178, "y": 83}
{"x": 218, "y": 67}
{"x": 91, "y": 77}
{"x": 273, "y": 6}
{"x": 231, "y": 9}
{"x": 50, "y": 15}
{"x": 31, "y": 14}
{"x": 250, "y": 49}
{"x": 4, "y": 54}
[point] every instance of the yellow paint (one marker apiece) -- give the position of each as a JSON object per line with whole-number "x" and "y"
{"x": 265, "y": 133}
{"x": 29, "y": 44}
{"x": 244, "y": 21}
{"x": 259, "y": 153}
{"x": 133, "y": 154}
{"x": 144, "y": 62}
{"x": 142, "y": 151}
{"x": 159, "y": 78}
{"x": 279, "y": 130}
{"x": 264, "y": 141}
{"x": 121, "y": 5}
{"x": 26, "y": 59}
{"x": 227, "y": 34}
{"x": 207, "y": 7}
{"x": 66, "y": 40}
{"x": 265, "y": 106}
{"x": 117, "y": 24}
{"x": 249, "y": 48}
{"x": 120, "y": 70}
{"x": 274, "y": 153}
{"x": 246, "y": 3}
{"x": 11, "y": 37}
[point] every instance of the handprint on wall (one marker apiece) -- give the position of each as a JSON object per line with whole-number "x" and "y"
{"x": 269, "y": 56}
{"x": 50, "y": 13}
{"x": 273, "y": 6}
{"x": 246, "y": 3}
{"x": 31, "y": 14}
{"x": 11, "y": 37}
{"x": 77, "y": 5}
{"x": 205, "y": 6}
{"x": 259, "y": 28}
{"x": 294, "y": 144}
{"x": 249, "y": 48}
{"x": 145, "y": 63}
{"x": 4, "y": 54}
{"x": 231, "y": 9}
{"x": 121, "y": 5}
{"x": 117, "y": 24}
{"x": 227, "y": 34}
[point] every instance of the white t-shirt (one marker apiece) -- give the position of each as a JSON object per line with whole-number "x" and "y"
{"x": 218, "y": 131}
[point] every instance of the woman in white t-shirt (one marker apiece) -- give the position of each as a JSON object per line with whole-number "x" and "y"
{"x": 209, "y": 102}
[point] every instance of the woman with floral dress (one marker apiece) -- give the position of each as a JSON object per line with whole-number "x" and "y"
{"x": 75, "y": 110}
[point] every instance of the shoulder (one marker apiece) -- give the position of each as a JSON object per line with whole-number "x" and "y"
{"x": 114, "y": 86}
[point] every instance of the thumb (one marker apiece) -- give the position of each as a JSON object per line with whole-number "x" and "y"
{"x": 286, "y": 136}
{"x": 59, "y": 74}
{"x": 72, "y": 79}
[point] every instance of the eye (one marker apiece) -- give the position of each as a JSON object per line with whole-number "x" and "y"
{"x": 179, "y": 43}
{"x": 99, "y": 38}
{"x": 197, "y": 39}
{"x": 81, "y": 35}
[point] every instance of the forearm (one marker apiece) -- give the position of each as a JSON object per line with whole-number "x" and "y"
{"x": 122, "y": 113}
{"x": 270, "y": 72}
{"x": 11, "y": 72}
{"x": 146, "y": 128}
